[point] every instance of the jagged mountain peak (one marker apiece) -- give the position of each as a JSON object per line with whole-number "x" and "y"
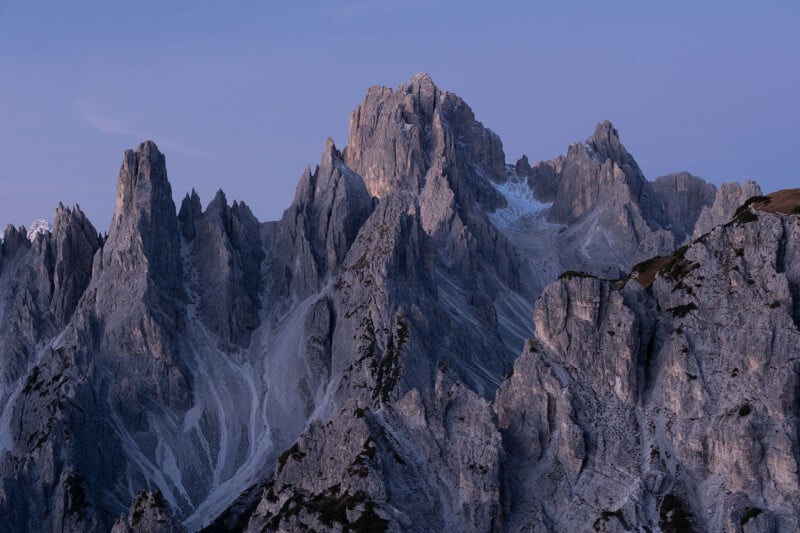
{"x": 605, "y": 139}
{"x": 398, "y": 136}
{"x": 75, "y": 241}
{"x": 330, "y": 204}
{"x": 146, "y": 162}
{"x": 219, "y": 202}
{"x": 190, "y": 212}
{"x": 220, "y": 196}
{"x": 143, "y": 189}
{"x": 605, "y": 144}
{"x": 425, "y": 90}
{"x": 73, "y": 210}
{"x": 422, "y": 78}
{"x": 144, "y": 226}
{"x": 330, "y": 154}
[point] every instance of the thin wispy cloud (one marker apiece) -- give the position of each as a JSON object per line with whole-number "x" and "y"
{"x": 112, "y": 126}
{"x": 169, "y": 145}
{"x": 99, "y": 122}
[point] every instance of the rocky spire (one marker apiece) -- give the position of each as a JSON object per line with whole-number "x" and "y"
{"x": 191, "y": 209}
{"x": 728, "y": 199}
{"x": 425, "y": 141}
{"x": 605, "y": 142}
{"x": 330, "y": 205}
{"x": 75, "y": 241}
{"x": 137, "y": 283}
{"x": 226, "y": 255}
{"x": 13, "y": 239}
{"x": 143, "y": 237}
{"x": 597, "y": 172}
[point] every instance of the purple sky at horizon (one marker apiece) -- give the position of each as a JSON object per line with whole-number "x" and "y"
{"x": 243, "y": 98}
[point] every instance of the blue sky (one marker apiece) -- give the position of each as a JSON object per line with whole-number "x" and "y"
{"x": 242, "y": 95}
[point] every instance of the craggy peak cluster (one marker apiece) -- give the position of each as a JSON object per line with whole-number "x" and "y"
{"x": 431, "y": 338}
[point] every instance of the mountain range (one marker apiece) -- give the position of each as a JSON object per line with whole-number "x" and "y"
{"x": 429, "y": 339}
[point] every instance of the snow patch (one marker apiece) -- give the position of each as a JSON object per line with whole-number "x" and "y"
{"x": 520, "y": 202}
{"x": 39, "y": 227}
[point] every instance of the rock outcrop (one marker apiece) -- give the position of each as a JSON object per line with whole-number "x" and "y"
{"x": 728, "y": 199}
{"x": 685, "y": 197}
{"x": 667, "y": 406}
{"x": 149, "y": 512}
{"x": 374, "y": 471}
{"x": 610, "y": 215}
{"x": 329, "y": 207}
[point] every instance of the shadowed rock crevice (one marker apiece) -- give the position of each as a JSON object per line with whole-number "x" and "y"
{"x": 226, "y": 258}
{"x": 75, "y": 241}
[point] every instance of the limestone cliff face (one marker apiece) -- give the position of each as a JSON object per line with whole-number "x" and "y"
{"x": 330, "y": 206}
{"x": 664, "y": 401}
{"x": 149, "y": 512}
{"x": 423, "y": 124}
{"x": 599, "y": 171}
{"x": 114, "y": 357}
{"x": 685, "y": 197}
{"x": 226, "y": 257}
{"x": 670, "y": 406}
{"x": 728, "y": 198}
{"x": 612, "y": 217}
{"x": 134, "y": 306}
{"x": 420, "y": 139}
{"x": 375, "y": 470}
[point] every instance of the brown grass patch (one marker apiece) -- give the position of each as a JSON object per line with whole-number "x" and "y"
{"x": 647, "y": 270}
{"x": 786, "y": 201}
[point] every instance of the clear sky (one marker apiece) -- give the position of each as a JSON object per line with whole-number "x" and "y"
{"x": 242, "y": 95}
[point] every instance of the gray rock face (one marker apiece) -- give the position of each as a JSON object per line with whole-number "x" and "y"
{"x": 426, "y": 141}
{"x": 729, "y": 197}
{"x": 610, "y": 216}
{"x": 374, "y": 470}
{"x": 599, "y": 171}
{"x": 330, "y": 206}
{"x": 226, "y": 256}
{"x": 544, "y": 179}
{"x": 116, "y": 357}
{"x": 75, "y": 242}
{"x": 149, "y": 512}
{"x": 685, "y": 197}
{"x": 614, "y": 417}
{"x": 44, "y": 280}
{"x": 424, "y": 124}
{"x": 137, "y": 287}
{"x": 190, "y": 213}
{"x": 27, "y": 288}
